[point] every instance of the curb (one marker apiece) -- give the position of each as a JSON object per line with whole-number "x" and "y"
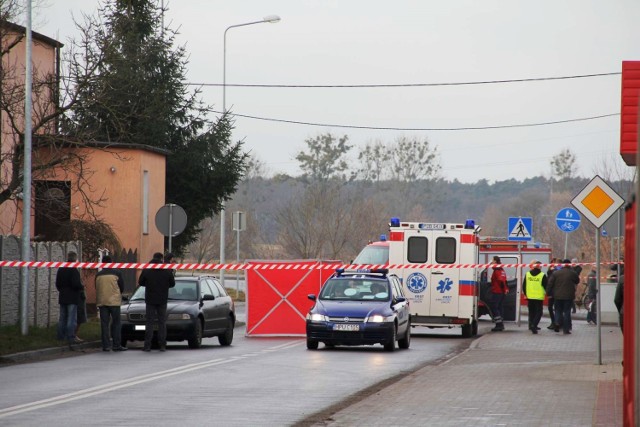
{"x": 34, "y": 355}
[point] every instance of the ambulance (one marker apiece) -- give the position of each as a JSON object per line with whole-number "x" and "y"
{"x": 384, "y": 252}
{"x": 428, "y": 257}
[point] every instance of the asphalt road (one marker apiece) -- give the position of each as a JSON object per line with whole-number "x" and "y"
{"x": 256, "y": 381}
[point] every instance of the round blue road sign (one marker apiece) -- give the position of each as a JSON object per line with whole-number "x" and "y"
{"x": 568, "y": 220}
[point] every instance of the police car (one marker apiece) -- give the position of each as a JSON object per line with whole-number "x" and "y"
{"x": 363, "y": 307}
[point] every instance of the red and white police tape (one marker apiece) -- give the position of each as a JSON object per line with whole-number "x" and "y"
{"x": 268, "y": 265}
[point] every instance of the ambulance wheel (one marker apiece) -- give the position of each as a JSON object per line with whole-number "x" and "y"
{"x": 467, "y": 330}
{"x": 312, "y": 344}
{"x": 474, "y": 328}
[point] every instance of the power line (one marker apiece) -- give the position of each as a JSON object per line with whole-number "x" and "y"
{"x": 521, "y": 125}
{"x": 482, "y": 82}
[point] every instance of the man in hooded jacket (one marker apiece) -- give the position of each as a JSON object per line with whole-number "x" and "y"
{"x": 498, "y": 290}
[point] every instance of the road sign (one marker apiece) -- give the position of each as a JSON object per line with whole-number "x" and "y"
{"x": 568, "y": 220}
{"x": 239, "y": 221}
{"x": 597, "y": 201}
{"x": 520, "y": 229}
{"x": 171, "y": 220}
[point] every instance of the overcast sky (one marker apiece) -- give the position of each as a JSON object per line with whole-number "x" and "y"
{"x": 358, "y": 42}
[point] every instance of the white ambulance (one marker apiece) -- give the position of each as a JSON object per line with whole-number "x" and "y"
{"x": 428, "y": 258}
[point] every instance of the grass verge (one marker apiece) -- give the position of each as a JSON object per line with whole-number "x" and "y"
{"x": 12, "y": 341}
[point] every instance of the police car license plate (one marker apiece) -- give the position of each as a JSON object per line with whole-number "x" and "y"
{"x": 346, "y": 327}
{"x": 139, "y": 327}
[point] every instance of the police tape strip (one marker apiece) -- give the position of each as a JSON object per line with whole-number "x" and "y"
{"x": 271, "y": 265}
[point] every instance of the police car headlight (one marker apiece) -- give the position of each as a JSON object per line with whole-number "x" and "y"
{"x": 378, "y": 318}
{"x": 179, "y": 316}
{"x": 124, "y": 316}
{"x": 315, "y": 317}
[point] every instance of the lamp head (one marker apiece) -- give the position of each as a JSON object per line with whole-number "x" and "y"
{"x": 272, "y": 19}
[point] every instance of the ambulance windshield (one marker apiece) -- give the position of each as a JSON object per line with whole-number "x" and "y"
{"x": 373, "y": 254}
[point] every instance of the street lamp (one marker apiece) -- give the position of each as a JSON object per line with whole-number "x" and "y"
{"x": 271, "y": 19}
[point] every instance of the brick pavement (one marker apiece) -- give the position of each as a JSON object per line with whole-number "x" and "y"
{"x": 510, "y": 378}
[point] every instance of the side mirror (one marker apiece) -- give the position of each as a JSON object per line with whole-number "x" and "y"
{"x": 125, "y": 297}
{"x": 312, "y": 297}
{"x": 400, "y": 299}
{"x": 208, "y": 297}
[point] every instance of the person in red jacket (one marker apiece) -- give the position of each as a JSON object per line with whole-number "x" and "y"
{"x": 499, "y": 289}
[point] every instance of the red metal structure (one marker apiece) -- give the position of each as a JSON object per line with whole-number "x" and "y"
{"x": 277, "y": 300}
{"x": 629, "y": 124}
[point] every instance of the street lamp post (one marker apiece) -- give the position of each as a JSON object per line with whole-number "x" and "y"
{"x": 272, "y": 19}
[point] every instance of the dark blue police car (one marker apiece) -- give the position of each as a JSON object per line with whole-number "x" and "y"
{"x": 363, "y": 307}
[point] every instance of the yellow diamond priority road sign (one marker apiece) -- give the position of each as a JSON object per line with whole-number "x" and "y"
{"x": 597, "y": 201}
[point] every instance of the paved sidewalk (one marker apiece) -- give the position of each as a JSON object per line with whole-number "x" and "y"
{"x": 510, "y": 378}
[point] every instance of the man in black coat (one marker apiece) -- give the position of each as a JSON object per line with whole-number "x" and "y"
{"x": 562, "y": 285}
{"x": 157, "y": 283}
{"x": 70, "y": 287}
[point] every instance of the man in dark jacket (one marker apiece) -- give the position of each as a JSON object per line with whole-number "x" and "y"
{"x": 157, "y": 283}
{"x": 562, "y": 286}
{"x": 109, "y": 288}
{"x": 69, "y": 285}
{"x": 618, "y": 300}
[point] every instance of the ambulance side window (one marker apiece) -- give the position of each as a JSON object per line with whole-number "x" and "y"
{"x": 446, "y": 250}
{"x": 417, "y": 249}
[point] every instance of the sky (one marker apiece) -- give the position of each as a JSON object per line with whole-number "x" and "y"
{"x": 409, "y": 42}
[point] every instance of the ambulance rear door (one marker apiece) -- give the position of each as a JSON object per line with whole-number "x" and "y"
{"x": 431, "y": 291}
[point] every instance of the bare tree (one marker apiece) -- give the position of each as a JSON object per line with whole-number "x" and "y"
{"x": 413, "y": 159}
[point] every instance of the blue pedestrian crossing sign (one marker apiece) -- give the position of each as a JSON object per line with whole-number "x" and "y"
{"x": 520, "y": 229}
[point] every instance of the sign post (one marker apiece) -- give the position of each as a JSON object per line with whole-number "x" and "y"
{"x": 597, "y": 202}
{"x": 239, "y": 224}
{"x": 171, "y": 220}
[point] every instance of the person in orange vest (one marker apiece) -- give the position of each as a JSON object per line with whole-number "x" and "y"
{"x": 533, "y": 287}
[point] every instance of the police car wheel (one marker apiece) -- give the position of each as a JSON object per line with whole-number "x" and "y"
{"x": 312, "y": 344}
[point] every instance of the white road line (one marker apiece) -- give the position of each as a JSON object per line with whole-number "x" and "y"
{"x": 129, "y": 382}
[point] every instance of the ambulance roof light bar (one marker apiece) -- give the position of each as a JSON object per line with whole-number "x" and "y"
{"x": 395, "y": 222}
{"x": 383, "y": 237}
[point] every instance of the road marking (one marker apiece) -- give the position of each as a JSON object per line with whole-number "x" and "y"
{"x": 129, "y": 382}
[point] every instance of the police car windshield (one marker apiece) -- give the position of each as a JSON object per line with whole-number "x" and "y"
{"x": 355, "y": 289}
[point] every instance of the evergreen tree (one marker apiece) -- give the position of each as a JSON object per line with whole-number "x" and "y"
{"x": 141, "y": 97}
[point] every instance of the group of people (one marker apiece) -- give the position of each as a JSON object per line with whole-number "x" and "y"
{"x": 109, "y": 285}
{"x": 558, "y": 285}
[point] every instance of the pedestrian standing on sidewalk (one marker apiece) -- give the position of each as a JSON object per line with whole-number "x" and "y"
{"x": 499, "y": 289}
{"x": 533, "y": 288}
{"x": 618, "y": 300}
{"x": 550, "y": 303}
{"x": 578, "y": 269}
{"x": 592, "y": 291}
{"x": 563, "y": 284}
{"x": 69, "y": 285}
{"x": 157, "y": 283}
{"x": 109, "y": 288}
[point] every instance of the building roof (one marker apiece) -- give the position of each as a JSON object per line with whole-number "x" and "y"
{"x": 35, "y": 35}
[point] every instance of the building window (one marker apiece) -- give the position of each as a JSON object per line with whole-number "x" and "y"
{"x": 145, "y": 202}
